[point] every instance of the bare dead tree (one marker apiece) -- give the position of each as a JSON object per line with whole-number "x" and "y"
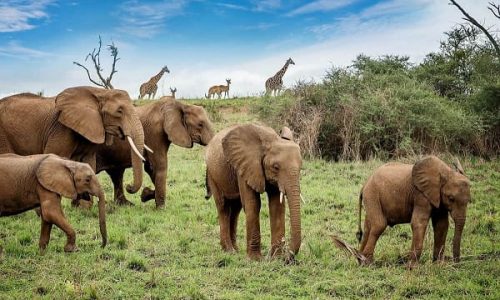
{"x": 495, "y": 9}
{"x": 96, "y": 60}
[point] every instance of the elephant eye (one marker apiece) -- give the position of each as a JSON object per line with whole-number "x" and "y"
{"x": 451, "y": 198}
{"x": 120, "y": 110}
{"x": 276, "y": 166}
{"x": 87, "y": 179}
{"x": 200, "y": 125}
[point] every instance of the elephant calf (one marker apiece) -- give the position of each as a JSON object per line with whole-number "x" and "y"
{"x": 400, "y": 193}
{"x": 244, "y": 161}
{"x": 28, "y": 182}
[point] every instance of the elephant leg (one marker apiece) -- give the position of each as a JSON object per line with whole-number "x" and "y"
{"x": 117, "y": 179}
{"x": 52, "y": 213}
{"x": 364, "y": 239}
{"x": 277, "y": 219}
{"x": 419, "y": 222}
{"x": 224, "y": 211}
{"x": 376, "y": 229}
{"x": 440, "y": 225}
{"x": 251, "y": 202}
{"x": 233, "y": 221}
{"x": 160, "y": 181}
{"x": 44, "y": 234}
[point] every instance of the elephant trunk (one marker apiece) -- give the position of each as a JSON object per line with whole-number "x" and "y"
{"x": 457, "y": 237}
{"x": 137, "y": 138}
{"x": 293, "y": 197}
{"x": 102, "y": 218}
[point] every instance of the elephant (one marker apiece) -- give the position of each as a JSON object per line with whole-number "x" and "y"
{"x": 244, "y": 161}
{"x": 39, "y": 181}
{"x": 399, "y": 193}
{"x": 72, "y": 125}
{"x": 165, "y": 121}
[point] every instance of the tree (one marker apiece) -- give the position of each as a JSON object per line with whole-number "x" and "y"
{"x": 495, "y": 9}
{"x": 96, "y": 60}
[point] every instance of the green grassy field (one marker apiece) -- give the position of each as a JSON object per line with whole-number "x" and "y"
{"x": 175, "y": 253}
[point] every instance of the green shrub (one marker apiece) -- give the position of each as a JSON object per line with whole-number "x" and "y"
{"x": 362, "y": 112}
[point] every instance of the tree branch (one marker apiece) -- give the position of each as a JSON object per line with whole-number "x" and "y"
{"x": 473, "y": 21}
{"x": 495, "y": 9}
{"x": 88, "y": 74}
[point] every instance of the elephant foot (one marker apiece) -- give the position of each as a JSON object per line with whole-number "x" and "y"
{"x": 257, "y": 256}
{"x": 70, "y": 248}
{"x": 147, "y": 194}
{"x": 412, "y": 264}
{"x": 368, "y": 261}
{"x": 42, "y": 248}
{"x": 122, "y": 201}
{"x": 229, "y": 249}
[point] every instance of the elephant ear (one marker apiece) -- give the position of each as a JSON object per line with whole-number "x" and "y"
{"x": 174, "y": 125}
{"x": 244, "y": 148}
{"x": 56, "y": 175}
{"x": 79, "y": 110}
{"x": 428, "y": 177}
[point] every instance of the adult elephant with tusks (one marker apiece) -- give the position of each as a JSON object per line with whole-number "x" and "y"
{"x": 244, "y": 161}
{"x": 72, "y": 125}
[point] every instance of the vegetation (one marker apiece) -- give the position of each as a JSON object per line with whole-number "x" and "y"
{"x": 175, "y": 253}
{"x": 387, "y": 107}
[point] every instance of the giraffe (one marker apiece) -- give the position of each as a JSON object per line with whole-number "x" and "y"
{"x": 218, "y": 89}
{"x": 173, "y": 92}
{"x": 275, "y": 83}
{"x": 150, "y": 87}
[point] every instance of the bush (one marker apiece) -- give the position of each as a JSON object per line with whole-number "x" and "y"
{"x": 361, "y": 112}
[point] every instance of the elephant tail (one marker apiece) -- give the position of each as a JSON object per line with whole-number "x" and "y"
{"x": 207, "y": 186}
{"x": 359, "y": 234}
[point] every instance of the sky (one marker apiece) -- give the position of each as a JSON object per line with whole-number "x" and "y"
{"x": 204, "y": 42}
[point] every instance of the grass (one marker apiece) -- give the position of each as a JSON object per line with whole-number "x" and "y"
{"x": 175, "y": 253}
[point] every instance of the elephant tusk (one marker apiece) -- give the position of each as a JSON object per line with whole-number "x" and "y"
{"x": 134, "y": 147}
{"x": 302, "y": 198}
{"x": 281, "y": 197}
{"x": 148, "y": 149}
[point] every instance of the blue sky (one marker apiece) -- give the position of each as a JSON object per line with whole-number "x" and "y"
{"x": 203, "y": 42}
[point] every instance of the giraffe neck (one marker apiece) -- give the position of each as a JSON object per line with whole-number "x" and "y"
{"x": 157, "y": 77}
{"x": 281, "y": 72}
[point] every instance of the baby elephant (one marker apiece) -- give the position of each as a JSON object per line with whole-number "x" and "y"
{"x": 400, "y": 193}
{"x": 244, "y": 161}
{"x": 28, "y": 182}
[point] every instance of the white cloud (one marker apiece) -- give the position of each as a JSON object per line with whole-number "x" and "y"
{"x": 17, "y": 15}
{"x": 16, "y": 50}
{"x": 320, "y": 5}
{"x": 266, "y": 5}
{"x": 148, "y": 19}
{"x": 232, "y": 6}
